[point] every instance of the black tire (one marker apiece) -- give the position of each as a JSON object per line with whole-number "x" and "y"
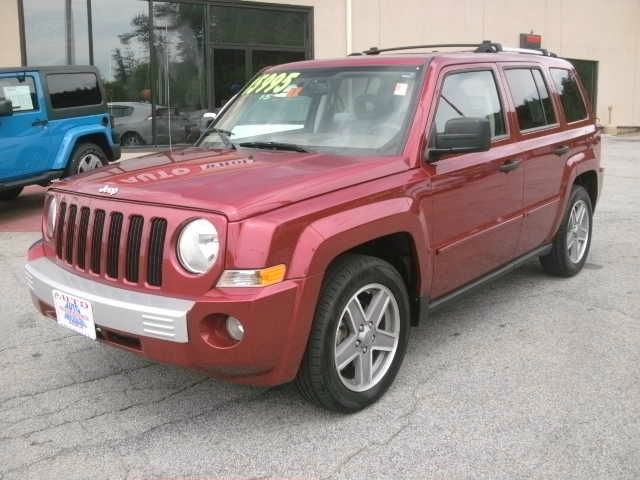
{"x": 318, "y": 379}
{"x": 10, "y": 194}
{"x": 79, "y": 159}
{"x": 558, "y": 262}
{"x": 131, "y": 139}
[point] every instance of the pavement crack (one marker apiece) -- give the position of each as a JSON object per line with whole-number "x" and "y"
{"x": 404, "y": 419}
{"x": 109, "y": 412}
{"x": 36, "y": 344}
{"x": 72, "y": 384}
{"x": 115, "y": 443}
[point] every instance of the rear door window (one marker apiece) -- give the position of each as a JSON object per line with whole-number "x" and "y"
{"x": 120, "y": 112}
{"x": 531, "y": 98}
{"x": 68, "y": 90}
{"x": 21, "y": 91}
{"x": 570, "y": 96}
{"x": 470, "y": 94}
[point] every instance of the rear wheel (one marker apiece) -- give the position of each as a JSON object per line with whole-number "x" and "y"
{"x": 10, "y": 194}
{"x": 86, "y": 157}
{"x": 359, "y": 335}
{"x": 131, "y": 139}
{"x": 572, "y": 242}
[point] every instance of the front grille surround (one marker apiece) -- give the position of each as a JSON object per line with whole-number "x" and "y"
{"x": 147, "y": 259}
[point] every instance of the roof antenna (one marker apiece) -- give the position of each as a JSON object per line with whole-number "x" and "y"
{"x": 166, "y": 39}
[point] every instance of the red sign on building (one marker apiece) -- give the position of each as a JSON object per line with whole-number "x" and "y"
{"x": 530, "y": 40}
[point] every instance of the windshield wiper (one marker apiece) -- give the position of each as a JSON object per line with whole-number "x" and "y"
{"x": 224, "y": 135}
{"x": 275, "y": 146}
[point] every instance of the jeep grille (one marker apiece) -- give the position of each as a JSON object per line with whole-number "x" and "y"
{"x": 111, "y": 243}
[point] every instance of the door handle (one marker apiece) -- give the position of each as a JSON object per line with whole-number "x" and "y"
{"x": 561, "y": 150}
{"x": 510, "y": 165}
{"x": 40, "y": 123}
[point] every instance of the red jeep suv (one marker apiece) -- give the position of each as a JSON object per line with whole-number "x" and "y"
{"x": 331, "y": 205}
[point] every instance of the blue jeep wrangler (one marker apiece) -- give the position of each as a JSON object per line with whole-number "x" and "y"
{"x": 54, "y": 123}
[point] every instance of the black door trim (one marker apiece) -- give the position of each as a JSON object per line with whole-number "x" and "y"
{"x": 428, "y": 306}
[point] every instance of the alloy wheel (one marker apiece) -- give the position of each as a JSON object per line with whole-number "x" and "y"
{"x": 89, "y": 162}
{"x": 367, "y": 337}
{"x": 578, "y": 231}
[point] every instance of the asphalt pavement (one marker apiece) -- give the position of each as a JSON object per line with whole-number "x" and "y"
{"x": 529, "y": 377}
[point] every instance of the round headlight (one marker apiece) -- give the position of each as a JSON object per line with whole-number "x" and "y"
{"x": 198, "y": 246}
{"x": 52, "y": 217}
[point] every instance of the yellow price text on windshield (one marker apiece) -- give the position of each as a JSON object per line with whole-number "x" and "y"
{"x": 271, "y": 83}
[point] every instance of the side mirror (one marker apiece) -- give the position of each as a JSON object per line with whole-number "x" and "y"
{"x": 6, "y": 108}
{"x": 208, "y": 118}
{"x": 462, "y": 135}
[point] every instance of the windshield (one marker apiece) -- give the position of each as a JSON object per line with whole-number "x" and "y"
{"x": 357, "y": 111}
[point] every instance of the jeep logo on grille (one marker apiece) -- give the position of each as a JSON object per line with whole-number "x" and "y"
{"x": 109, "y": 190}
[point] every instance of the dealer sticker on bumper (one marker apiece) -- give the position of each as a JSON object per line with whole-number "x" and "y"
{"x": 74, "y": 313}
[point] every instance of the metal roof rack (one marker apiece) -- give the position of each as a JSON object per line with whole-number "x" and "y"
{"x": 530, "y": 51}
{"x": 487, "y": 46}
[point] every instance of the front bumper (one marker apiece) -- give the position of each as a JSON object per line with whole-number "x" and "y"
{"x": 186, "y": 332}
{"x": 114, "y": 308}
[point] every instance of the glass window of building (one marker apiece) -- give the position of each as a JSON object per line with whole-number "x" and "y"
{"x": 245, "y": 39}
{"x": 180, "y": 79}
{"x": 122, "y": 53}
{"x": 166, "y": 63}
{"x": 57, "y": 32}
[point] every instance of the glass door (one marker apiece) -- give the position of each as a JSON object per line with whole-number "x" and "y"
{"x": 244, "y": 39}
{"x": 265, "y": 58}
{"x": 229, "y": 74}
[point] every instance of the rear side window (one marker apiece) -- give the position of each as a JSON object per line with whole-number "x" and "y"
{"x": 120, "y": 112}
{"x": 470, "y": 94}
{"x": 572, "y": 101}
{"x": 21, "y": 91}
{"x": 69, "y": 90}
{"x": 531, "y": 98}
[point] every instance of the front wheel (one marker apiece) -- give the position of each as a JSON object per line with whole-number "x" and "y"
{"x": 359, "y": 335}
{"x": 572, "y": 242}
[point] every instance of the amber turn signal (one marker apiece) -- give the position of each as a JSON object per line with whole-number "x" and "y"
{"x": 253, "y": 278}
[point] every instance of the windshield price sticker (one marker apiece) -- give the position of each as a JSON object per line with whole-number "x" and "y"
{"x": 401, "y": 89}
{"x": 271, "y": 83}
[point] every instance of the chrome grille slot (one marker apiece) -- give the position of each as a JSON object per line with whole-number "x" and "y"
{"x": 156, "y": 251}
{"x": 113, "y": 245}
{"x": 71, "y": 231}
{"x": 60, "y": 229}
{"x": 134, "y": 241}
{"x": 83, "y": 230}
{"x": 96, "y": 241}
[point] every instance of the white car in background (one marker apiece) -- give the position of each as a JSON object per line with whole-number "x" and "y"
{"x": 132, "y": 121}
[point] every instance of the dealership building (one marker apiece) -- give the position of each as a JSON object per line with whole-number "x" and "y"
{"x": 193, "y": 55}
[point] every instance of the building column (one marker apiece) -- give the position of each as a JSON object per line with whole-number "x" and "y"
{"x": 10, "y": 53}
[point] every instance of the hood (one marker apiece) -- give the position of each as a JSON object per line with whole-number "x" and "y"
{"x": 238, "y": 184}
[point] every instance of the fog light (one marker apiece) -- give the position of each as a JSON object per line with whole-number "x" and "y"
{"x": 235, "y": 329}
